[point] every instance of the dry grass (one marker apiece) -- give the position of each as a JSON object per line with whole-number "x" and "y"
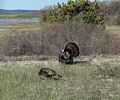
{"x": 114, "y": 29}
{"x": 19, "y": 80}
{"x": 16, "y": 28}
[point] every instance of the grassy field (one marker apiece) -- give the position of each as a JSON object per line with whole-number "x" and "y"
{"x": 13, "y": 28}
{"x": 6, "y": 29}
{"x": 9, "y": 16}
{"x": 95, "y": 80}
{"x": 36, "y": 27}
{"x": 113, "y": 29}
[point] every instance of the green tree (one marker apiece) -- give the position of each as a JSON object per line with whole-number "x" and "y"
{"x": 89, "y": 12}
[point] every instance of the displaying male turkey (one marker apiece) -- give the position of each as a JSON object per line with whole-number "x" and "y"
{"x": 47, "y": 72}
{"x": 70, "y": 51}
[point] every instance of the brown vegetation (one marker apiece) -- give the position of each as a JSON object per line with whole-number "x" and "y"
{"x": 51, "y": 40}
{"x": 112, "y": 10}
{"x": 89, "y": 38}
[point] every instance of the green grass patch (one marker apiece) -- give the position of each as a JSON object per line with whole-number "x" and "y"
{"x": 4, "y": 32}
{"x": 114, "y": 29}
{"x": 17, "y": 27}
{"x": 13, "y": 16}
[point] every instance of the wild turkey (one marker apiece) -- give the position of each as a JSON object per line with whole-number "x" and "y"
{"x": 47, "y": 72}
{"x": 73, "y": 47}
{"x": 65, "y": 56}
{"x": 71, "y": 50}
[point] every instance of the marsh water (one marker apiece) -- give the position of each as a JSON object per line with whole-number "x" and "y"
{"x": 18, "y": 20}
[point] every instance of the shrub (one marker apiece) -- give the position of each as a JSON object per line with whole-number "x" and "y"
{"x": 52, "y": 38}
{"x": 117, "y": 20}
{"x": 88, "y": 12}
{"x": 89, "y": 38}
{"x": 21, "y": 44}
{"x": 112, "y": 10}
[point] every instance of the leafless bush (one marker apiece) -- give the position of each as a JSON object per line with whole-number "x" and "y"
{"x": 90, "y": 39}
{"x": 52, "y": 38}
{"x": 21, "y": 44}
{"x": 113, "y": 20}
